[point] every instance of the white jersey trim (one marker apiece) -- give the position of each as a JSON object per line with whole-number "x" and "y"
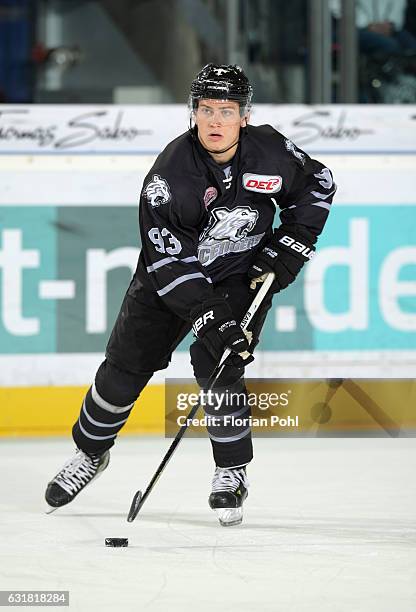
{"x": 322, "y": 196}
{"x": 322, "y": 205}
{"x": 180, "y": 280}
{"x": 168, "y": 260}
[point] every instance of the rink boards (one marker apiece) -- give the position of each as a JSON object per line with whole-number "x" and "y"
{"x": 69, "y": 244}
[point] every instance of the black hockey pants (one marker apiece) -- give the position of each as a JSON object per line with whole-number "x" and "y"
{"x": 143, "y": 339}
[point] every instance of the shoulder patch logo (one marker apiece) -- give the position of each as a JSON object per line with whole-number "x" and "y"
{"x": 210, "y": 195}
{"x": 292, "y": 148}
{"x": 157, "y": 191}
{"x": 262, "y": 183}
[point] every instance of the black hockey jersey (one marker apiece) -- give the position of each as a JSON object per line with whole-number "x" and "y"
{"x": 201, "y": 222}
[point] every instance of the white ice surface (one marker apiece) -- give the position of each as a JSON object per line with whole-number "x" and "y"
{"x": 330, "y": 525}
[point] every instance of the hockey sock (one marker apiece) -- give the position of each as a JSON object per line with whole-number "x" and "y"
{"x": 228, "y": 415}
{"x": 99, "y": 423}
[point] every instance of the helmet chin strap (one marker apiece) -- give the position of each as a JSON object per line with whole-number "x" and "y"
{"x": 222, "y": 150}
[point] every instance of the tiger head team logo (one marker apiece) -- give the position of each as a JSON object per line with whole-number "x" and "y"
{"x": 228, "y": 231}
{"x": 157, "y": 191}
{"x": 230, "y": 224}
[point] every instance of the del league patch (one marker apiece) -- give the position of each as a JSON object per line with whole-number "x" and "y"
{"x": 262, "y": 183}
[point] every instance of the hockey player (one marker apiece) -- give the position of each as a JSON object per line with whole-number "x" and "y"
{"x": 207, "y": 208}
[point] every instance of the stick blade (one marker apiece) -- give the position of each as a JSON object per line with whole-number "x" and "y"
{"x": 135, "y": 507}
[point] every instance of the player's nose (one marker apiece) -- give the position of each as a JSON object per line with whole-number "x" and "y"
{"x": 215, "y": 120}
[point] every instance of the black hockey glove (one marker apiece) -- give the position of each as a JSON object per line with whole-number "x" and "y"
{"x": 285, "y": 255}
{"x": 214, "y": 324}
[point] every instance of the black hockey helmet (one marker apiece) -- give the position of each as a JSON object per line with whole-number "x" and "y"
{"x": 221, "y": 82}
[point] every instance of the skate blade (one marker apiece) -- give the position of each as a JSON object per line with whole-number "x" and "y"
{"x": 229, "y": 516}
{"x": 49, "y": 509}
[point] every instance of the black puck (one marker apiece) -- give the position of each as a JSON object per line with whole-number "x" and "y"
{"x": 117, "y": 542}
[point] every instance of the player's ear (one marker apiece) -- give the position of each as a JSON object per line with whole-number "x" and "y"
{"x": 245, "y": 120}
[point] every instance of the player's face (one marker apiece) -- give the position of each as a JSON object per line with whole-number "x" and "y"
{"x": 219, "y": 123}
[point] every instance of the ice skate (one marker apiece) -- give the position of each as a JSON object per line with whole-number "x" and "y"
{"x": 229, "y": 490}
{"x": 75, "y": 475}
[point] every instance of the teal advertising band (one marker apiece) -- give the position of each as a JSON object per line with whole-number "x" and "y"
{"x": 63, "y": 271}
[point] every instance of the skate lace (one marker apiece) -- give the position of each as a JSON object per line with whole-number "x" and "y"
{"x": 229, "y": 480}
{"x": 77, "y": 472}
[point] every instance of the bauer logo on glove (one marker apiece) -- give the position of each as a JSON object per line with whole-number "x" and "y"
{"x": 201, "y": 321}
{"x": 306, "y": 251}
{"x": 285, "y": 255}
{"x": 214, "y": 324}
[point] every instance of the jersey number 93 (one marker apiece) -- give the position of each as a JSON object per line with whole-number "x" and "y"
{"x": 157, "y": 236}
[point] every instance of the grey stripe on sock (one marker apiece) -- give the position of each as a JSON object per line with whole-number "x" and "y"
{"x": 231, "y": 438}
{"x": 88, "y": 435}
{"x": 97, "y": 423}
{"x": 106, "y": 405}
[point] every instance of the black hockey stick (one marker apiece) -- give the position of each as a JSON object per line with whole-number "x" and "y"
{"x": 139, "y": 498}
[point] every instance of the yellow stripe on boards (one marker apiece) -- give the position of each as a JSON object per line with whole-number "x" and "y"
{"x": 51, "y": 411}
{"x": 376, "y": 407}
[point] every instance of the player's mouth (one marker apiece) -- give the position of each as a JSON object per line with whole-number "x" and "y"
{"x": 214, "y": 136}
